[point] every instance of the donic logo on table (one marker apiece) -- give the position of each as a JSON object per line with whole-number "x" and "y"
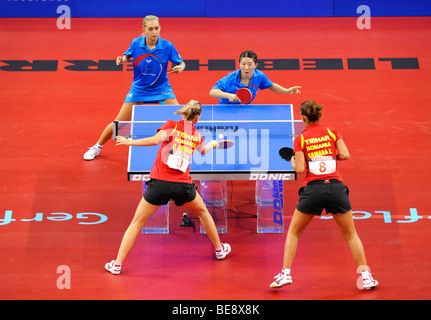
{"x": 277, "y": 203}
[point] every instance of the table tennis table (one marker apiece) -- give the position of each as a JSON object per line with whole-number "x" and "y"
{"x": 258, "y": 132}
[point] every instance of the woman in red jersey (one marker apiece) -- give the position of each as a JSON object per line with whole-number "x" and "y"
{"x": 317, "y": 150}
{"x": 170, "y": 179}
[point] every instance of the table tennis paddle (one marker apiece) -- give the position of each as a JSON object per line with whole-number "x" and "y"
{"x": 244, "y": 95}
{"x": 174, "y": 70}
{"x": 225, "y": 144}
{"x": 286, "y": 153}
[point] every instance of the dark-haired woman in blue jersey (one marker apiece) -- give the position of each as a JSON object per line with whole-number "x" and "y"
{"x": 246, "y": 77}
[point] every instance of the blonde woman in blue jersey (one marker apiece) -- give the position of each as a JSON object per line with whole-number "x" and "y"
{"x": 148, "y": 85}
{"x": 247, "y": 76}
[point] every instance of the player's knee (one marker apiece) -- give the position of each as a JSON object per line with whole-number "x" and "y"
{"x": 295, "y": 233}
{"x": 201, "y": 212}
{"x": 349, "y": 235}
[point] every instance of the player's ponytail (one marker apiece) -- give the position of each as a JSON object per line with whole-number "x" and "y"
{"x": 312, "y": 110}
{"x": 191, "y": 110}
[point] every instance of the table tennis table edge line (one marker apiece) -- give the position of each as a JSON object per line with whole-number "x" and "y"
{"x": 213, "y": 121}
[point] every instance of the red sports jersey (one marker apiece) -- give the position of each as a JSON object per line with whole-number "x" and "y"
{"x": 318, "y": 144}
{"x": 173, "y": 158}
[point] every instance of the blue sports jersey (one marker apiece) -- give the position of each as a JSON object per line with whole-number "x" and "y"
{"x": 232, "y": 82}
{"x": 161, "y": 89}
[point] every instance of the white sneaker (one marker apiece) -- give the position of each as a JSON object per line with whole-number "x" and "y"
{"x": 368, "y": 282}
{"x": 281, "y": 279}
{"x": 224, "y": 251}
{"x": 91, "y": 153}
{"x": 113, "y": 268}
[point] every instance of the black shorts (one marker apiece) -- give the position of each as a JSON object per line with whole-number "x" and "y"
{"x": 331, "y": 195}
{"x": 159, "y": 192}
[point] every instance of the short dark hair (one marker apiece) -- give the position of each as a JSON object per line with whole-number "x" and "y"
{"x": 248, "y": 54}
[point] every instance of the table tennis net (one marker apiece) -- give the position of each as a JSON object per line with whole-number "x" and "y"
{"x": 229, "y": 129}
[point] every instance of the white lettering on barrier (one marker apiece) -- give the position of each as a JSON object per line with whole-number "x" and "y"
{"x": 101, "y": 218}
{"x": 58, "y": 216}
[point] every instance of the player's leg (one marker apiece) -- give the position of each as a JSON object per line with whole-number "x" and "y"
{"x": 297, "y": 226}
{"x": 170, "y": 101}
{"x": 143, "y": 212}
{"x": 198, "y": 206}
{"x": 347, "y": 228}
{"x": 124, "y": 114}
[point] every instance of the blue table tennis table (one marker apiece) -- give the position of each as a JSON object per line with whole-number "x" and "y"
{"x": 258, "y": 132}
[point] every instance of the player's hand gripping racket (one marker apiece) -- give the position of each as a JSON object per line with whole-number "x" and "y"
{"x": 286, "y": 153}
{"x": 244, "y": 95}
{"x": 176, "y": 69}
{"x": 173, "y": 70}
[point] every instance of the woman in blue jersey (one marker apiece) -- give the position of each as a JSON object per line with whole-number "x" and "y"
{"x": 246, "y": 77}
{"x": 151, "y": 55}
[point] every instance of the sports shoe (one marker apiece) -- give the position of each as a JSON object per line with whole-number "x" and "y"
{"x": 368, "y": 282}
{"x": 113, "y": 268}
{"x": 92, "y": 153}
{"x": 281, "y": 279}
{"x": 224, "y": 251}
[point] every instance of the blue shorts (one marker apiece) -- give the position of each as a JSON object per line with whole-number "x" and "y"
{"x": 135, "y": 96}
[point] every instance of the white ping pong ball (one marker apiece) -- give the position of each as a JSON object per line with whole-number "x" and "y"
{"x": 220, "y": 136}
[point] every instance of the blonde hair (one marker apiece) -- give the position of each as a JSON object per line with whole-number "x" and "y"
{"x": 149, "y": 18}
{"x": 191, "y": 110}
{"x": 312, "y": 110}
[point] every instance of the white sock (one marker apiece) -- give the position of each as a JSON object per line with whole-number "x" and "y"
{"x": 285, "y": 271}
{"x": 221, "y": 248}
{"x": 98, "y": 146}
{"x": 365, "y": 274}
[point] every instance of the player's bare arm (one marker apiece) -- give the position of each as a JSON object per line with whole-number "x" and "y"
{"x": 279, "y": 89}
